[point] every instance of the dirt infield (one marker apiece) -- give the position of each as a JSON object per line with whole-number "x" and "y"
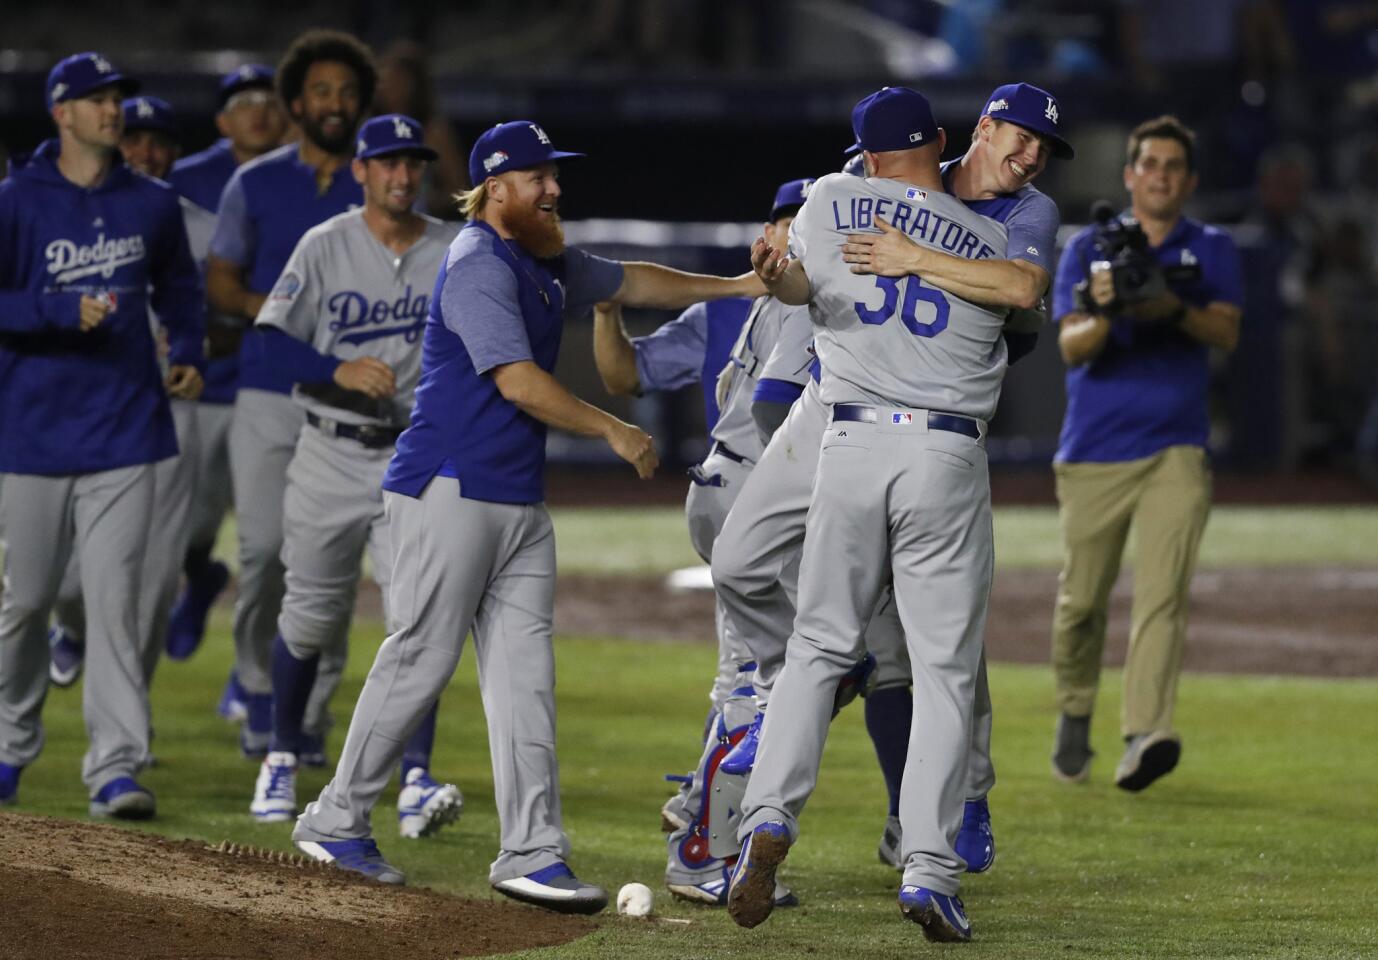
{"x": 77, "y": 890}
{"x": 1316, "y": 622}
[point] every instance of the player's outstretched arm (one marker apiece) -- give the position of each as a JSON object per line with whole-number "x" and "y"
{"x": 995, "y": 283}
{"x": 613, "y": 352}
{"x": 783, "y": 276}
{"x": 540, "y": 395}
{"x": 652, "y": 285}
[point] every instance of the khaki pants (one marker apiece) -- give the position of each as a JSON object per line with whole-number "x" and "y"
{"x": 1166, "y": 497}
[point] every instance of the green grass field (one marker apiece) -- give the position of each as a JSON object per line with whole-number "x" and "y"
{"x": 1260, "y": 845}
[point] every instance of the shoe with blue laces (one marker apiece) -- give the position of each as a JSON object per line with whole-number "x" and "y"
{"x": 556, "y": 888}
{"x": 942, "y": 917}
{"x": 425, "y": 805}
{"x": 751, "y": 894}
{"x": 275, "y": 790}
{"x": 123, "y": 798}
{"x": 67, "y": 655}
{"x": 975, "y": 842}
{"x": 357, "y": 856}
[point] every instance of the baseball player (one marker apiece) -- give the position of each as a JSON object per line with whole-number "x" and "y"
{"x": 678, "y": 353}
{"x": 84, "y": 416}
{"x": 345, "y": 319}
{"x": 472, "y": 542}
{"x": 326, "y": 79}
{"x": 251, "y": 122}
{"x": 764, "y": 533}
{"x": 150, "y": 144}
{"x": 911, "y": 373}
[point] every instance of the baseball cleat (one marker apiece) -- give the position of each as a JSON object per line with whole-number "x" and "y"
{"x": 232, "y": 706}
{"x": 357, "y": 856}
{"x": 713, "y": 891}
{"x": 942, "y": 917}
{"x": 1147, "y": 757}
{"x": 742, "y": 757}
{"x": 975, "y": 841}
{"x": 275, "y": 791}
{"x": 556, "y": 888}
{"x": 9, "y": 783}
{"x": 888, "y": 850}
{"x": 1072, "y": 751}
{"x": 67, "y": 654}
{"x": 187, "y": 622}
{"x": 424, "y": 806}
{"x": 123, "y": 798}
{"x": 751, "y": 894}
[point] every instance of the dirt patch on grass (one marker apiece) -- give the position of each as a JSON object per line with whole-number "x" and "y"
{"x": 76, "y": 890}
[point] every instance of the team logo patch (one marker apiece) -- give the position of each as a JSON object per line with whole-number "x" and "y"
{"x": 68, "y": 261}
{"x": 58, "y": 90}
{"x": 914, "y": 193}
{"x": 401, "y": 129}
{"x": 916, "y": 136}
{"x": 1001, "y": 104}
{"x": 143, "y": 108}
{"x": 1050, "y": 111}
{"x": 495, "y": 159}
{"x": 540, "y": 134}
{"x": 1031, "y": 250}
{"x": 362, "y": 145}
{"x": 287, "y": 287}
{"x": 903, "y": 419}
{"x": 101, "y": 64}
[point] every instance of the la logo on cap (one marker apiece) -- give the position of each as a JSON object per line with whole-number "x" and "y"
{"x": 101, "y": 64}
{"x": 540, "y": 134}
{"x": 144, "y": 108}
{"x": 400, "y": 129}
{"x": 1050, "y": 111}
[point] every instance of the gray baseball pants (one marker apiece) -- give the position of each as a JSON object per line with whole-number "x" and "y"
{"x": 462, "y": 565}
{"x": 332, "y": 512}
{"x": 214, "y": 489}
{"x": 263, "y": 438}
{"x": 755, "y": 563}
{"x": 904, "y": 502}
{"x": 104, "y": 518}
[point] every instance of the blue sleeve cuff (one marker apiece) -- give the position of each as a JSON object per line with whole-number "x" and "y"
{"x": 293, "y": 361}
{"x": 776, "y": 391}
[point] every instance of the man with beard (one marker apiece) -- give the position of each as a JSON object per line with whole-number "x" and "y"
{"x": 89, "y": 246}
{"x": 251, "y": 122}
{"x": 472, "y": 542}
{"x": 327, "y": 80}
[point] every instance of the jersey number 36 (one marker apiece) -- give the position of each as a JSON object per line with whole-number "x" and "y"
{"x": 914, "y": 291}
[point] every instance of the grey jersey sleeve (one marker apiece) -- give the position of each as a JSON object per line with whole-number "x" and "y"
{"x": 793, "y": 353}
{"x": 588, "y": 280}
{"x": 233, "y": 239}
{"x": 672, "y": 356}
{"x": 294, "y": 304}
{"x": 1032, "y": 227}
{"x": 479, "y": 304}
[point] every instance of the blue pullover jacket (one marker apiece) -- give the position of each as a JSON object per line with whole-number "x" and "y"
{"x": 73, "y": 402}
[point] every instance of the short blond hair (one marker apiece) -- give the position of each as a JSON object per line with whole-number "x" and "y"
{"x": 472, "y": 202}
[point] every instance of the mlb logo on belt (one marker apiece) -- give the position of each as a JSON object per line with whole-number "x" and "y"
{"x": 902, "y": 418}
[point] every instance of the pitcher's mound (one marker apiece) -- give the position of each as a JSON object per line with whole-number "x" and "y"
{"x": 78, "y": 890}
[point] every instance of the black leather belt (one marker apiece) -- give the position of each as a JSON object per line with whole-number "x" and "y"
{"x": 951, "y": 422}
{"x": 373, "y": 437}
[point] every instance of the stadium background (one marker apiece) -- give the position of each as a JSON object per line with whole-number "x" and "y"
{"x": 692, "y": 111}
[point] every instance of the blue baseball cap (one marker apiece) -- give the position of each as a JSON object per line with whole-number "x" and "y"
{"x": 1032, "y": 108}
{"x": 792, "y": 193}
{"x": 392, "y": 133}
{"x": 514, "y": 145}
{"x": 84, "y": 73}
{"x": 150, "y": 113}
{"x": 250, "y": 76}
{"x": 893, "y": 118}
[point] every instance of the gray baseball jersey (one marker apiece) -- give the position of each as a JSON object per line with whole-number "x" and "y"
{"x": 793, "y": 355}
{"x": 736, "y": 384}
{"x": 899, "y": 341}
{"x": 349, "y": 296}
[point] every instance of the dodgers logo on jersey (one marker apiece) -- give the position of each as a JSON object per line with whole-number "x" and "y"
{"x": 351, "y": 310}
{"x": 69, "y": 261}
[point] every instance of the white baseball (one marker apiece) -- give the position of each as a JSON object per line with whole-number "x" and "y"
{"x": 634, "y": 900}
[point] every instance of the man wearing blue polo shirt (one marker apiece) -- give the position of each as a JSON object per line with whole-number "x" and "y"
{"x": 464, "y": 498}
{"x": 327, "y": 80}
{"x": 1133, "y": 452}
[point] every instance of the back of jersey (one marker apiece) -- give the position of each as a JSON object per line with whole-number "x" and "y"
{"x": 898, "y": 341}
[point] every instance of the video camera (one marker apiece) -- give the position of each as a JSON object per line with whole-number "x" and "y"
{"x": 1135, "y": 271}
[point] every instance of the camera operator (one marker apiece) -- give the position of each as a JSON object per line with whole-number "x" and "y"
{"x": 1139, "y": 299}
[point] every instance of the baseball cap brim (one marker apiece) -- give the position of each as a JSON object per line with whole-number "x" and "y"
{"x": 127, "y": 86}
{"x": 418, "y": 150}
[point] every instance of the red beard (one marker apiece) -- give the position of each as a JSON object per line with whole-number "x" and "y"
{"x": 535, "y": 234}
